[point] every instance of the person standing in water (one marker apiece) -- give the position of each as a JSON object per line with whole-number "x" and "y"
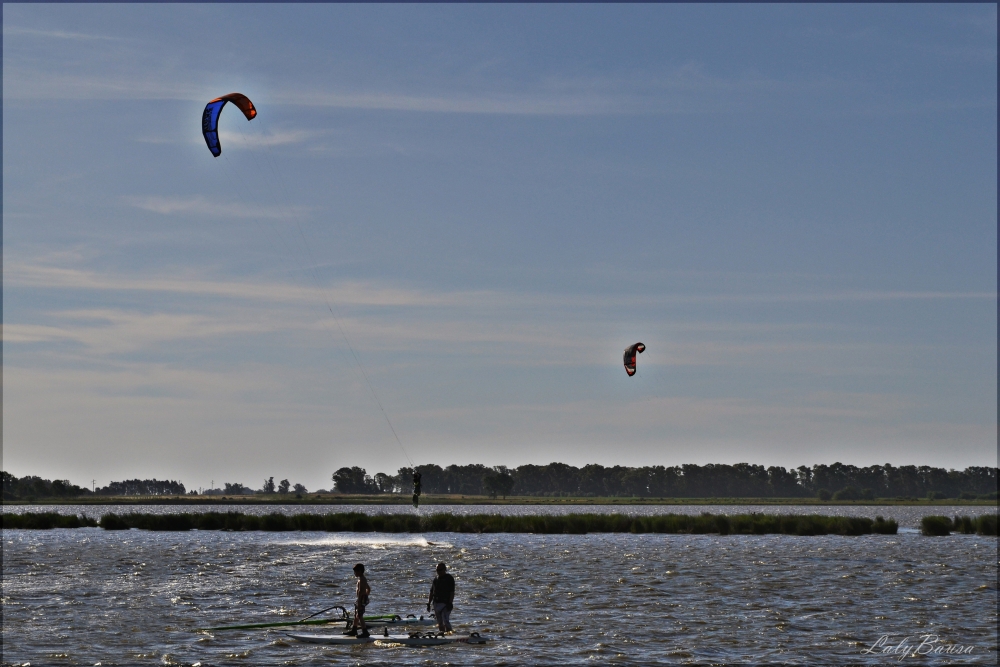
{"x": 361, "y": 594}
{"x": 442, "y": 597}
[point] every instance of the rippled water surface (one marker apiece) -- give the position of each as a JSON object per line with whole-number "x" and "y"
{"x": 133, "y": 597}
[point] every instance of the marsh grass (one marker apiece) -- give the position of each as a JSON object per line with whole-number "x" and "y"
{"x": 985, "y": 524}
{"x": 936, "y": 526}
{"x": 573, "y": 524}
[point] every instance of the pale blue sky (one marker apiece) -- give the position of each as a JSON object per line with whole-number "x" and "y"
{"x": 793, "y": 206}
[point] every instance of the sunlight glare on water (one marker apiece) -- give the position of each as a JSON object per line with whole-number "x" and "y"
{"x": 84, "y": 596}
{"x": 373, "y": 540}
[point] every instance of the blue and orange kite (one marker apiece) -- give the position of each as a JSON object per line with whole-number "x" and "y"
{"x": 210, "y": 118}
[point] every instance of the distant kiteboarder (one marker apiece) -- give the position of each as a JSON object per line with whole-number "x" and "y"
{"x": 630, "y": 353}
{"x": 416, "y": 488}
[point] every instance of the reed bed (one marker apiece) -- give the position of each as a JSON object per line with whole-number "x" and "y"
{"x": 47, "y": 520}
{"x": 985, "y": 524}
{"x": 574, "y": 524}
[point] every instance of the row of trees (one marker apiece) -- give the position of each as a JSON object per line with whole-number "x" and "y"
{"x": 685, "y": 481}
{"x": 839, "y": 481}
{"x": 142, "y": 487}
{"x": 30, "y": 487}
{"x": 473, "y": 480}
{"x": 284, "y": 486}
{"x": 268, "y": 487}
{"x": 15, "y": 488}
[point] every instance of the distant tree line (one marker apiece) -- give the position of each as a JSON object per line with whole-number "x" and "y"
{"x": 238, "y": 489}
{"x": 742, "y": 480}
{"x": 142, "y": 487}
{"x": 31, "y": 486}
{"x": 474, "y": 480}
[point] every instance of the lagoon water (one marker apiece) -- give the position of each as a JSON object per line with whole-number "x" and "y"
{"x": 87, "y": 596}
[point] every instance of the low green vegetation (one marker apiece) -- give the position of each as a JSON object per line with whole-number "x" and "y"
{"x": 578, "y": 524}
{"x": 744, "y": 524}
{"x": 942, "y": 525}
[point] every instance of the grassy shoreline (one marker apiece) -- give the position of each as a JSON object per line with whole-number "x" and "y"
{"x": 396, "y": 499}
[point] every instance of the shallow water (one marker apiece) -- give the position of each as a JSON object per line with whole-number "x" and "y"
{"x": 908, "y": 516}
{"x": 84, "y": 596}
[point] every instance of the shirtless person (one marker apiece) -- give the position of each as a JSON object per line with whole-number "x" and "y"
{"x": 442, "y": 597}
{"x": 361, "y": 601}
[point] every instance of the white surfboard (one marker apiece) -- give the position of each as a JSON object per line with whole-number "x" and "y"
{"x": 410, "y": 639}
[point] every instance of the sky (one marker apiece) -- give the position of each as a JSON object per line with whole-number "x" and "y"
{"x": 447, "y": 222}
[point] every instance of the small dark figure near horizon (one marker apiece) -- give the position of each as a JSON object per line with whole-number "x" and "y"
{"x": 442, "y": 597}
{"x": 362, "y": 592}
{"x": 416, "y": 488}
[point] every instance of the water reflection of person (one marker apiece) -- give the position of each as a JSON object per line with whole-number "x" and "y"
{"x": 442, "y": 597}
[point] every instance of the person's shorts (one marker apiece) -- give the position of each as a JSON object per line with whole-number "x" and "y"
{"x": 359, "y": 610}
{"x": 442, "y": 613}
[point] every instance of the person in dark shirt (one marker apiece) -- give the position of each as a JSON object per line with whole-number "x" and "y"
{"x": 442, "y": 597}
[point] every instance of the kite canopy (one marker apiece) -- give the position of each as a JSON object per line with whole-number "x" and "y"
{"x": 630, "y": 353}
{"x": 210, "y": 118}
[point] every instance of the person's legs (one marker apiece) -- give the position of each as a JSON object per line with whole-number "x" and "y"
{"x": 446, "y": 618}
{"x": 359, "y": 619}
{"x": 439, "y": 611}
{"x": 443, "y": 616}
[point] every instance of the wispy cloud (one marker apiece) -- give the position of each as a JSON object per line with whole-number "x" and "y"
{"x": 106, "y": 331}
{"x": 199, "y": 205}
{"x": 34, "y": 84}
{"x": 683, "y": 89}
{"x": 688, "y": 413}
{"x": 21, "y": 83}
{"x": 18, "y": 274}
{"x": 34, "y": 333}
{"x": 352, "y": 293}
{"x": 488, "y": 103}
{"x": 59, "y": 34}
{"x": 272, "y": 138}
{"x": 687, "y": 88}
{"x": 492, "y": 328}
